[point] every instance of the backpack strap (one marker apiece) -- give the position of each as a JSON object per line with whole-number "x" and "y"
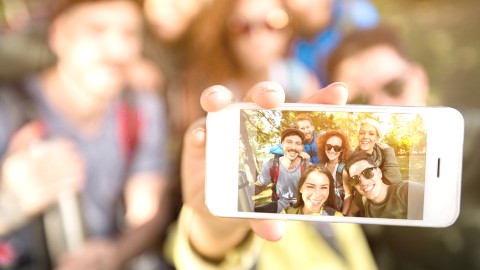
{"x": 329, "y": 210}
{"x": 340, "y": 172}
{"x": 274, "y": 171}
{"x": 129, "y": 124}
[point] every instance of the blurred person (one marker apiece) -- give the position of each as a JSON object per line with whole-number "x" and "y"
{"x": 375, "y": 64}
{"x": 287, "y": 168}
{"x": 399, "y": 200}
{"x": 171, "y": 19}
{"x": 334, "y": 149}
{"x": 169, "y": 24}
{"x": 320, "y": 25}
{"x": 315, "y": 194}
{"x": 202, "y": 241}
{"x": 87, "y": 135}
{"x": 305, "y": 124}
{"x": 239, "y": 43}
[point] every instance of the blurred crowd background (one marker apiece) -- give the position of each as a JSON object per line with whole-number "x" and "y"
{"x": 441, "y": 35}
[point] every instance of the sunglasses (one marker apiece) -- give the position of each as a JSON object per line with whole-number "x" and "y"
{"x": 276, "y": 19}
{"x": 368, "y": 173}
{"x": 336, "y": 148}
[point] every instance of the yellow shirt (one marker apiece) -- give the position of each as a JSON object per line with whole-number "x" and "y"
{"x": 301, "y": 248}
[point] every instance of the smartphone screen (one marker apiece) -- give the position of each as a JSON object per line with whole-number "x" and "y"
{"x": 359, "y": 164}
{"x": 330, "y": 138}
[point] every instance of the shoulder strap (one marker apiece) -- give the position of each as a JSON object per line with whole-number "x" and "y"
{"x": 274, "y": 171}
{"x": 129, "y": 124}
{"x": 329, "y": 210}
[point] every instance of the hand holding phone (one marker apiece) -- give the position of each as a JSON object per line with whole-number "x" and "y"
{"x": 412, "y": 176}
{"x": 213, "y": 236}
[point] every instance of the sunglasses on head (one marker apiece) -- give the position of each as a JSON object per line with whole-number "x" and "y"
{"x": 276, "y": 19}
{"x": 368, "y": 173}
{"x": 336, "y": 148}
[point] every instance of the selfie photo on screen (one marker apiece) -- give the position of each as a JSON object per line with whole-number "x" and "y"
{"x": 355, "y": 164}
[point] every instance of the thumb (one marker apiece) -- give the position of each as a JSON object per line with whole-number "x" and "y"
{"x": 27, "y": 134}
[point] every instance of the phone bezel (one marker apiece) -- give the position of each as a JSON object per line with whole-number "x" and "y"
{"x": 444, "y": 125}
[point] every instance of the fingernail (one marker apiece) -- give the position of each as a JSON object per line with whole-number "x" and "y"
{"x": 342, "y": 84}
{"x": 213, "y": 90}
{"x": 198, "y": 131}
{"x": 269, "y": 87}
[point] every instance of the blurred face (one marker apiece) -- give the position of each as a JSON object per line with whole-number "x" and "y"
{"x": 94, "y": 42}
{"x": 311, "y": 16}
{"x": 367, "y": 137}
{"x": 306, "y": 127}
{"x": 369, "y": 181}
{"x": 379, "y": 75}
{"x": 259, "y": 33}
{"x": 171, "y": 18}
{"x": 333, "y": 148}
{"x": 292, "y": 146}
{"x": 315, "y": 192}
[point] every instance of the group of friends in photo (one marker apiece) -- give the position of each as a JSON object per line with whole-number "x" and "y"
{"x": 321, "y": 174}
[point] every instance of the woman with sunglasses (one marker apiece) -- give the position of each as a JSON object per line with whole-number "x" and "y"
{"x": 402, "y": 200}
{"x": 333, "y": 150}
{"x": 315, "y": 194}
{"x": 238, "y": 43}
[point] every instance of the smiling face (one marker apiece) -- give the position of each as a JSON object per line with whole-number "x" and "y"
{"x": 306, "y": 127}
{"x": 292, "y": 146}
{"x": 373, "y": 189}
{"x": 260, "y": 33}
{"x": 330, "y": 145}
{"x": 367, "y": 137}
{"x": 315, "y": 191}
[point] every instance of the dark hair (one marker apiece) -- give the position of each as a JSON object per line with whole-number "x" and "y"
{"x": 61, "y": 6}
{"x": 331, "y": 200}
{"x": 292, "y": 131}
{"x": 322, "y": 140}
{"x": 361, "y": 40}
{"x": 356, "y": 157}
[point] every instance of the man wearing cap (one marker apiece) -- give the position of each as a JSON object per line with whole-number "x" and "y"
{"x": 283, "y": 171}
{"x": 305, "y": 124}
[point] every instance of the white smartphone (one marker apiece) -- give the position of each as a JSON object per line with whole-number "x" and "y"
{"x": 425, "y": 145}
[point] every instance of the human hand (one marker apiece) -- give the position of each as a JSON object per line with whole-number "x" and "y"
{"x": 35, "y": 171}
{"x": 304, "y": 156}
{"x": 213, "y": 236}
{"x": 95, "y": 254}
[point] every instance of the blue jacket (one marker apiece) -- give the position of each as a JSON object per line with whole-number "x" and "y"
{"x": 310, "y": 148}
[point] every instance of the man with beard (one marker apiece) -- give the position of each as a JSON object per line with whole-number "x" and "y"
{"x": 284, "y": 172}
{"x": 400, "y": 200}
{"x": 304, "y": 123}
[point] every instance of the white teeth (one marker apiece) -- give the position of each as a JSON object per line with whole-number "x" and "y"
{"x": 368, "y": 188}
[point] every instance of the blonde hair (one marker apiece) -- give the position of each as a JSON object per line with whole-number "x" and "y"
{"x": 372, "y": 123}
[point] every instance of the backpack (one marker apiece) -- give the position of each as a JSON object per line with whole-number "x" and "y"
{"x": 274, "y": 171}
{"x": 27, "y": 246}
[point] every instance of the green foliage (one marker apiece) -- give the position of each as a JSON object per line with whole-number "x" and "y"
{"x": 403, "y": 132}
